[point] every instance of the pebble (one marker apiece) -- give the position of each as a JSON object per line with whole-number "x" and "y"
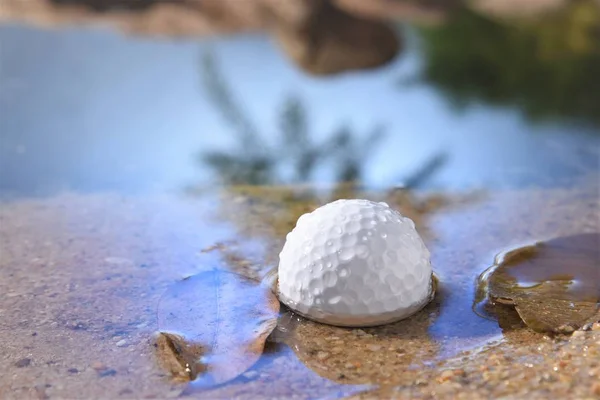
{"x": 565, "y": 329}
{"x": 349, "y": 365}
{"x": 98, "y": 366}
{"x": 577, "y": 334}
{"x": 121, "y": 343}
{"x": 337, "y": 350}
{"x": 374, "y": 347}
{"x": 321, "y": 355}
{"x": 448, "y": 374}
{"x": 360, "y": 332}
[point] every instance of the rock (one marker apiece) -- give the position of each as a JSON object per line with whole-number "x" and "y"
{"x": 446, "y": 375}
{"x": 450, "y": 374}
{"x": 323, "y": 39}
{"x": 549, "y": 305}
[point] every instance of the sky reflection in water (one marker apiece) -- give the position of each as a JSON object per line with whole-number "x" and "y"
{"x": 96, "y": 110}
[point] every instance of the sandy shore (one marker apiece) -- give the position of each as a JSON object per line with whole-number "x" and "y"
{"x": 82, "y": 275}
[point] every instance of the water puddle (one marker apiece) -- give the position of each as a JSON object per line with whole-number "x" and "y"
{"x": 554, "y": 285}
{"x": 445, "y": 329}
{"x": 214, "y": 325}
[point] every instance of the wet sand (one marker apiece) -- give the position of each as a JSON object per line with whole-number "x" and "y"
{"x": 82, "y": 275}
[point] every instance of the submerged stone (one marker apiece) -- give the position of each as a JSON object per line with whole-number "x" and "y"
{"x": 554, "y": 285}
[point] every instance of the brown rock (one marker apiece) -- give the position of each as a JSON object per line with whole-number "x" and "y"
{"x": 323, "y": 39}
{"x": 446, "y": 375}
{"x": 550, "y": 305}
{"x": 451, "y": 374}
{"x": 374, "y": 347}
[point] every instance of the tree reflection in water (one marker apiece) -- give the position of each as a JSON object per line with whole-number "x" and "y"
{"x": 547, "y": 66}
{"x": 252, "y": 160}
{"x": 265, "y": 202}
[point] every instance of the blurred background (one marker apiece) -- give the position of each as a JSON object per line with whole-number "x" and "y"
{"x": 136, "y": 96}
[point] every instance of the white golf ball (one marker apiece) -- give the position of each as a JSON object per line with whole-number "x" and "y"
{"x": 355, "y": 263}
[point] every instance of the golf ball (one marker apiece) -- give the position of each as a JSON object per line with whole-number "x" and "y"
{"x": 355, "y": 263}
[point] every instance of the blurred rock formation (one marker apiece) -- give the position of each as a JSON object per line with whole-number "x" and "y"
{"x": 320, "y": 36}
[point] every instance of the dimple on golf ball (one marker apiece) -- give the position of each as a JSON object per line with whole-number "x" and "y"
{"x": 355, "y": 263}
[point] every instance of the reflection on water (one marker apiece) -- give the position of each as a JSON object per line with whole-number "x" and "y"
{"x": 225, "y": 317}
{"x": 253, "y": 160}
{"x": 96, "y": 98}
{"x": 270, "y": 213}
{"x": 553, "y": 285}
{"x": 545, "y": 66}
{"x": 462, "y": 232}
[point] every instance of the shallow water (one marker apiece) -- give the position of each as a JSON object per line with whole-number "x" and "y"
{"x": 121, "y": 174}
{"x": 570, "y": 261}
{"x": 553, "y": 284}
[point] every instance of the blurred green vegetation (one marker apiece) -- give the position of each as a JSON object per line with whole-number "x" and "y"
{"x": 548, "y": 66}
